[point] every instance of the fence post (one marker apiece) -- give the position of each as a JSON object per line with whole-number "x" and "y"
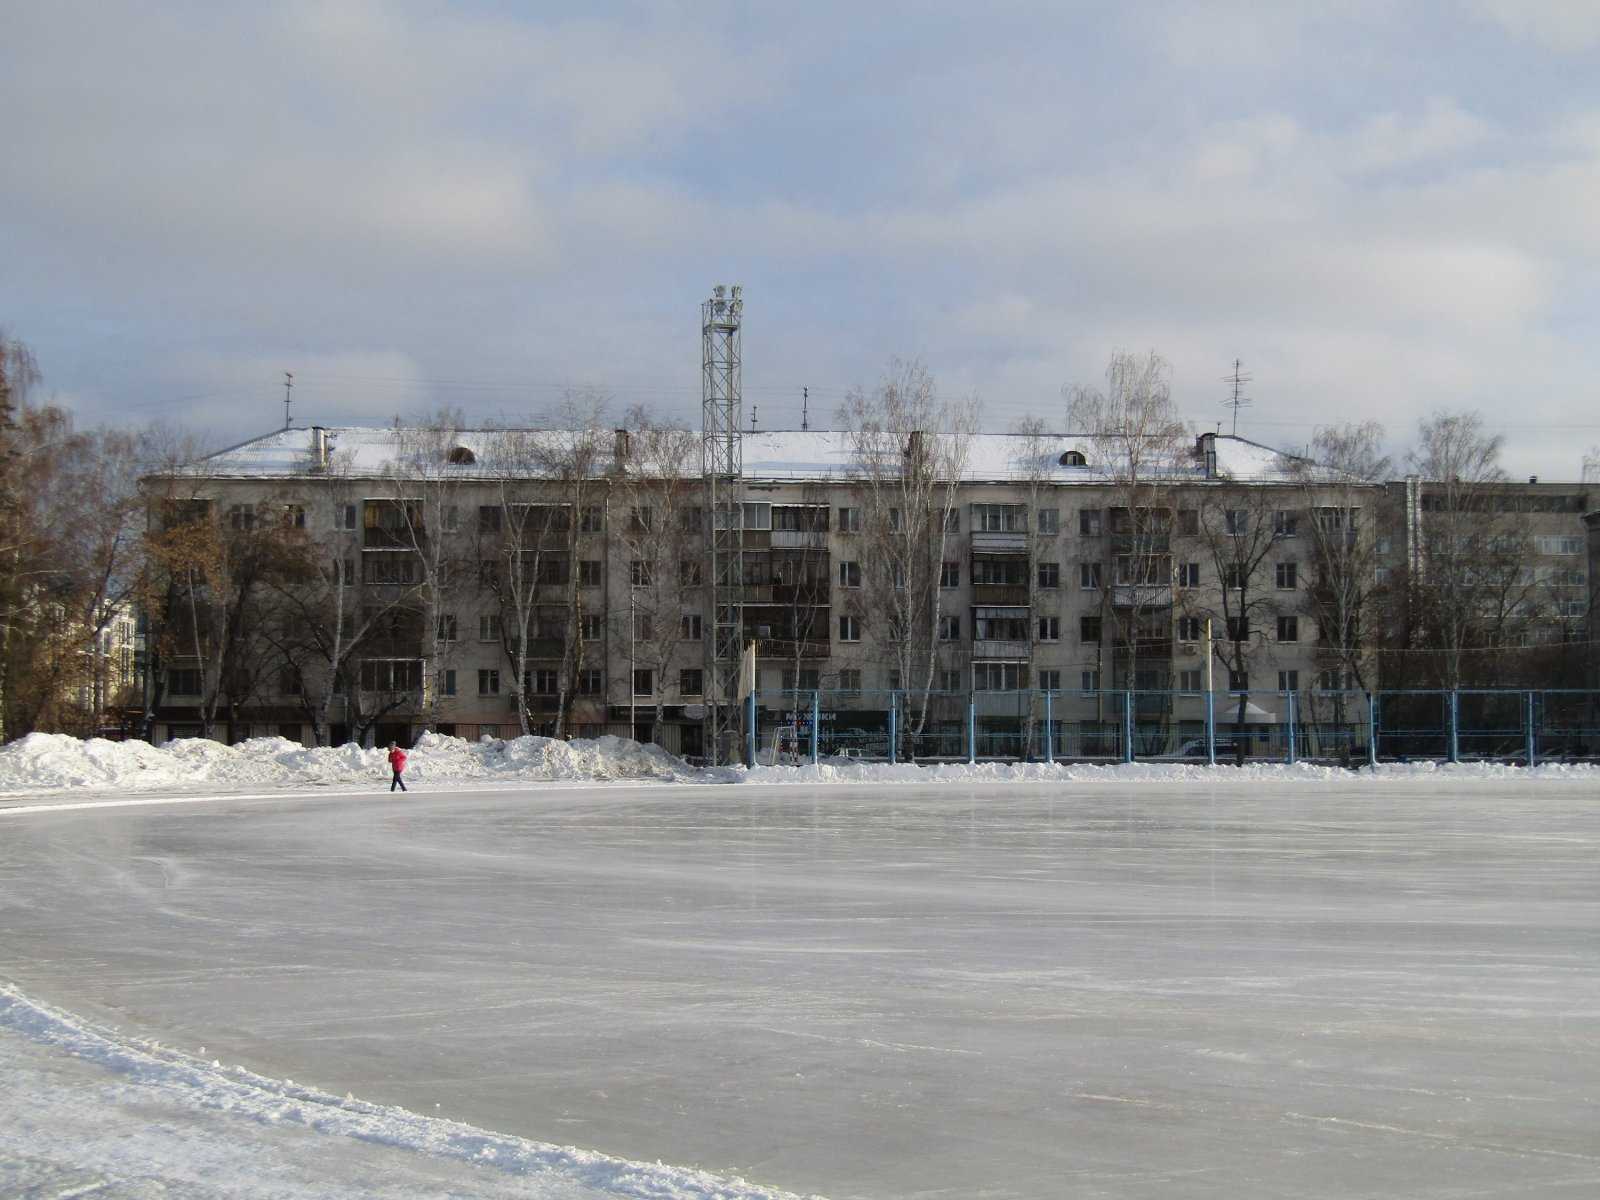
{"x": 972, "y": 727}
{"x": 1049, "y": 732}
{"x": 1372, "y": 729}
{"x": 1127, "y": 725}
{"x": 1211, "y": 728}
{"x": 894, "y": 728}
{"x": 1292, "y": 748}
{"x": 1533, "y": 741}
{"x": 1455, "y": 726}
{"x": 752, "y": 732}
{"x": 816, "y": 723}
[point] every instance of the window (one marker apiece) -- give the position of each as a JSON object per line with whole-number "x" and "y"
{"x": 1238, "y": 629}
{"x": 692, "y": 519}
{"x": 644, "y": 682}
{"x": 1188, "y": 629}
{"x": 639, "y": 573}
{"x": 690, "y": 681}
{"x": 689, "y": 628}
{"x": 1089, "y": 630}
{"x": 1558, "y": 545}
{"x": 850, "y": 679}
{"x": 896, "y": 520}
{"x": 553, "y": 569}
{"x": 1000, "y": 572}
{"x": 641, "y": 519}
{"x": 949, "y": 629}
{"x": 948, "y": 680}
{"x": 849, "y": 574}
{"x": 448, "y": 684}
{"x": 1236, "y": 522}
{"x": 450, "y": 518}
{"x": 294, "y": 516}
{"x": 1049, "y": 629}
{"x": 1090, "y": 576}
{"x": 1334, "y": 681}
{"x": 389, "y": 568}
{"x": 644, "y": 627}
{"x": 591, "y": 627}
{"x": 488, "y": 518}
{"x": 1073, "y": 458}
{"x": 1285, "y": 523}
{"x": 897, "y": 576}
{"x": 1288, "y": 681}
{"x": 591, "y": 681}
{"x": 806, "y": 679}
{"x": 1288, "y": 629}
{"x": 1288, "y": 576}
{"x": 1238, "y": 681}
{"x": 999, "y": 676}
{"x": 1000, "y": 625}
{"x": 1089, "y": 681}
{"x": 1190, "y": 680}
{"x": 952, "y": 521}
{"x": 488, "y": 681}
{"x": 390, "y": 675}
{"x": 849, "y": 520}
{"x": 184, "y": 681}
{"x": 1049, "y": 574}
{"x": 1089, "y": 522}
{"x": 1189, "y": 574}
{"x": 1049, "y": 681}
{"x": 1049, "y": 521}
{"x": 999, "y": 518}
{"x": 689, "y": 573}
{"x": 849, "y": 629}
{"x": 588, "y": 572}
{"x": 950, "y": 575}
{"x": 543, "y": 681}
{"x": 291, "y": 682}
{"x": 1232, "y": 575}
{"x": 447, "y": 627}
{"x": 591, "y": 519}
{"x": 344, "y": 516}
{"x": 241, "y": 516}
{"x": 489, "y": 627}
{"x": 1189, "y": 522}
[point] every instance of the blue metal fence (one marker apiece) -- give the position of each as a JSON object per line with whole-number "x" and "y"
{"x": 1348, "y": 728}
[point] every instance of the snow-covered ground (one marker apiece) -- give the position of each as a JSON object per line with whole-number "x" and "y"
{"x": 51, "y": 762}
{"x": 1223, "y": 985}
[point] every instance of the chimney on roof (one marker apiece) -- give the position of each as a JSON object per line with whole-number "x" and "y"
{"x": 1533, "y": 479}
{"x": 319, "y": 449}
{"x": 621, "y": 450}
{"x": 1205, "y": 449}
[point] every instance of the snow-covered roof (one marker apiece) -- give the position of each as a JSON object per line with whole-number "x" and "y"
{"x": 778, "y": 455}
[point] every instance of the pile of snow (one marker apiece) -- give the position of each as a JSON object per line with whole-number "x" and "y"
{"x": 845, "y": 770}
{"x": 45, "y": 761}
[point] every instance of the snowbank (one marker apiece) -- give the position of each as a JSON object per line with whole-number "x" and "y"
{"x": 844, "y": 770}
{"x": 44, "y": 761}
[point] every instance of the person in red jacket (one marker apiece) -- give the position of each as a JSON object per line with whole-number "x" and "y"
{"x": 397, "y": 764}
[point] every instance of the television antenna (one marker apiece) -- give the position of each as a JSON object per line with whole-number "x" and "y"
{"x": 1238, "y": 400}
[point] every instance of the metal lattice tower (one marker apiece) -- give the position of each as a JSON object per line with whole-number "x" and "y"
{"x": 722, "y": 462}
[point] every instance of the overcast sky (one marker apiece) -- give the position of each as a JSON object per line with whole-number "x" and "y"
{"x": 1381, "y": 212}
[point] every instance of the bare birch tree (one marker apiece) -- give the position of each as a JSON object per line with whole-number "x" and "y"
{"x": 909, "y": 451}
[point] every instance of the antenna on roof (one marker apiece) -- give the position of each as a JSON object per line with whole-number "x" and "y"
{"x": 288, "y": 387}
{"x": 1238, "y": 400}
{"x": 754, "y": 409}
{"x": 805, "y": 403}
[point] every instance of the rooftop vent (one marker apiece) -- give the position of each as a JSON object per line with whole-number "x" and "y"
{"x": 1073, "y": 458}
{"x": 460, "y": 456}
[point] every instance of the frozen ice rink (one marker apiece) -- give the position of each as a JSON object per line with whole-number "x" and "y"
{"x": 1375, "y": 989}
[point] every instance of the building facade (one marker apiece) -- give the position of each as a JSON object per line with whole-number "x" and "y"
{"x": 483, "y": 583}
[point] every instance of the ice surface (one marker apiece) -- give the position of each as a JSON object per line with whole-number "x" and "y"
{"x": 1384, "y": 987}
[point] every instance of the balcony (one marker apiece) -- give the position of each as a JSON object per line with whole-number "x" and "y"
{"x": 806, "y": 595}
{"x": 756, "y": 593}
{"x": 779, "y": 649}
{"x": 985, "y": 542}
{"x": 1002, "y": 649}
{"x": 1141, "y": 595}
{"x": 1014, "y": 595}
{"x": 798, "y": 539}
